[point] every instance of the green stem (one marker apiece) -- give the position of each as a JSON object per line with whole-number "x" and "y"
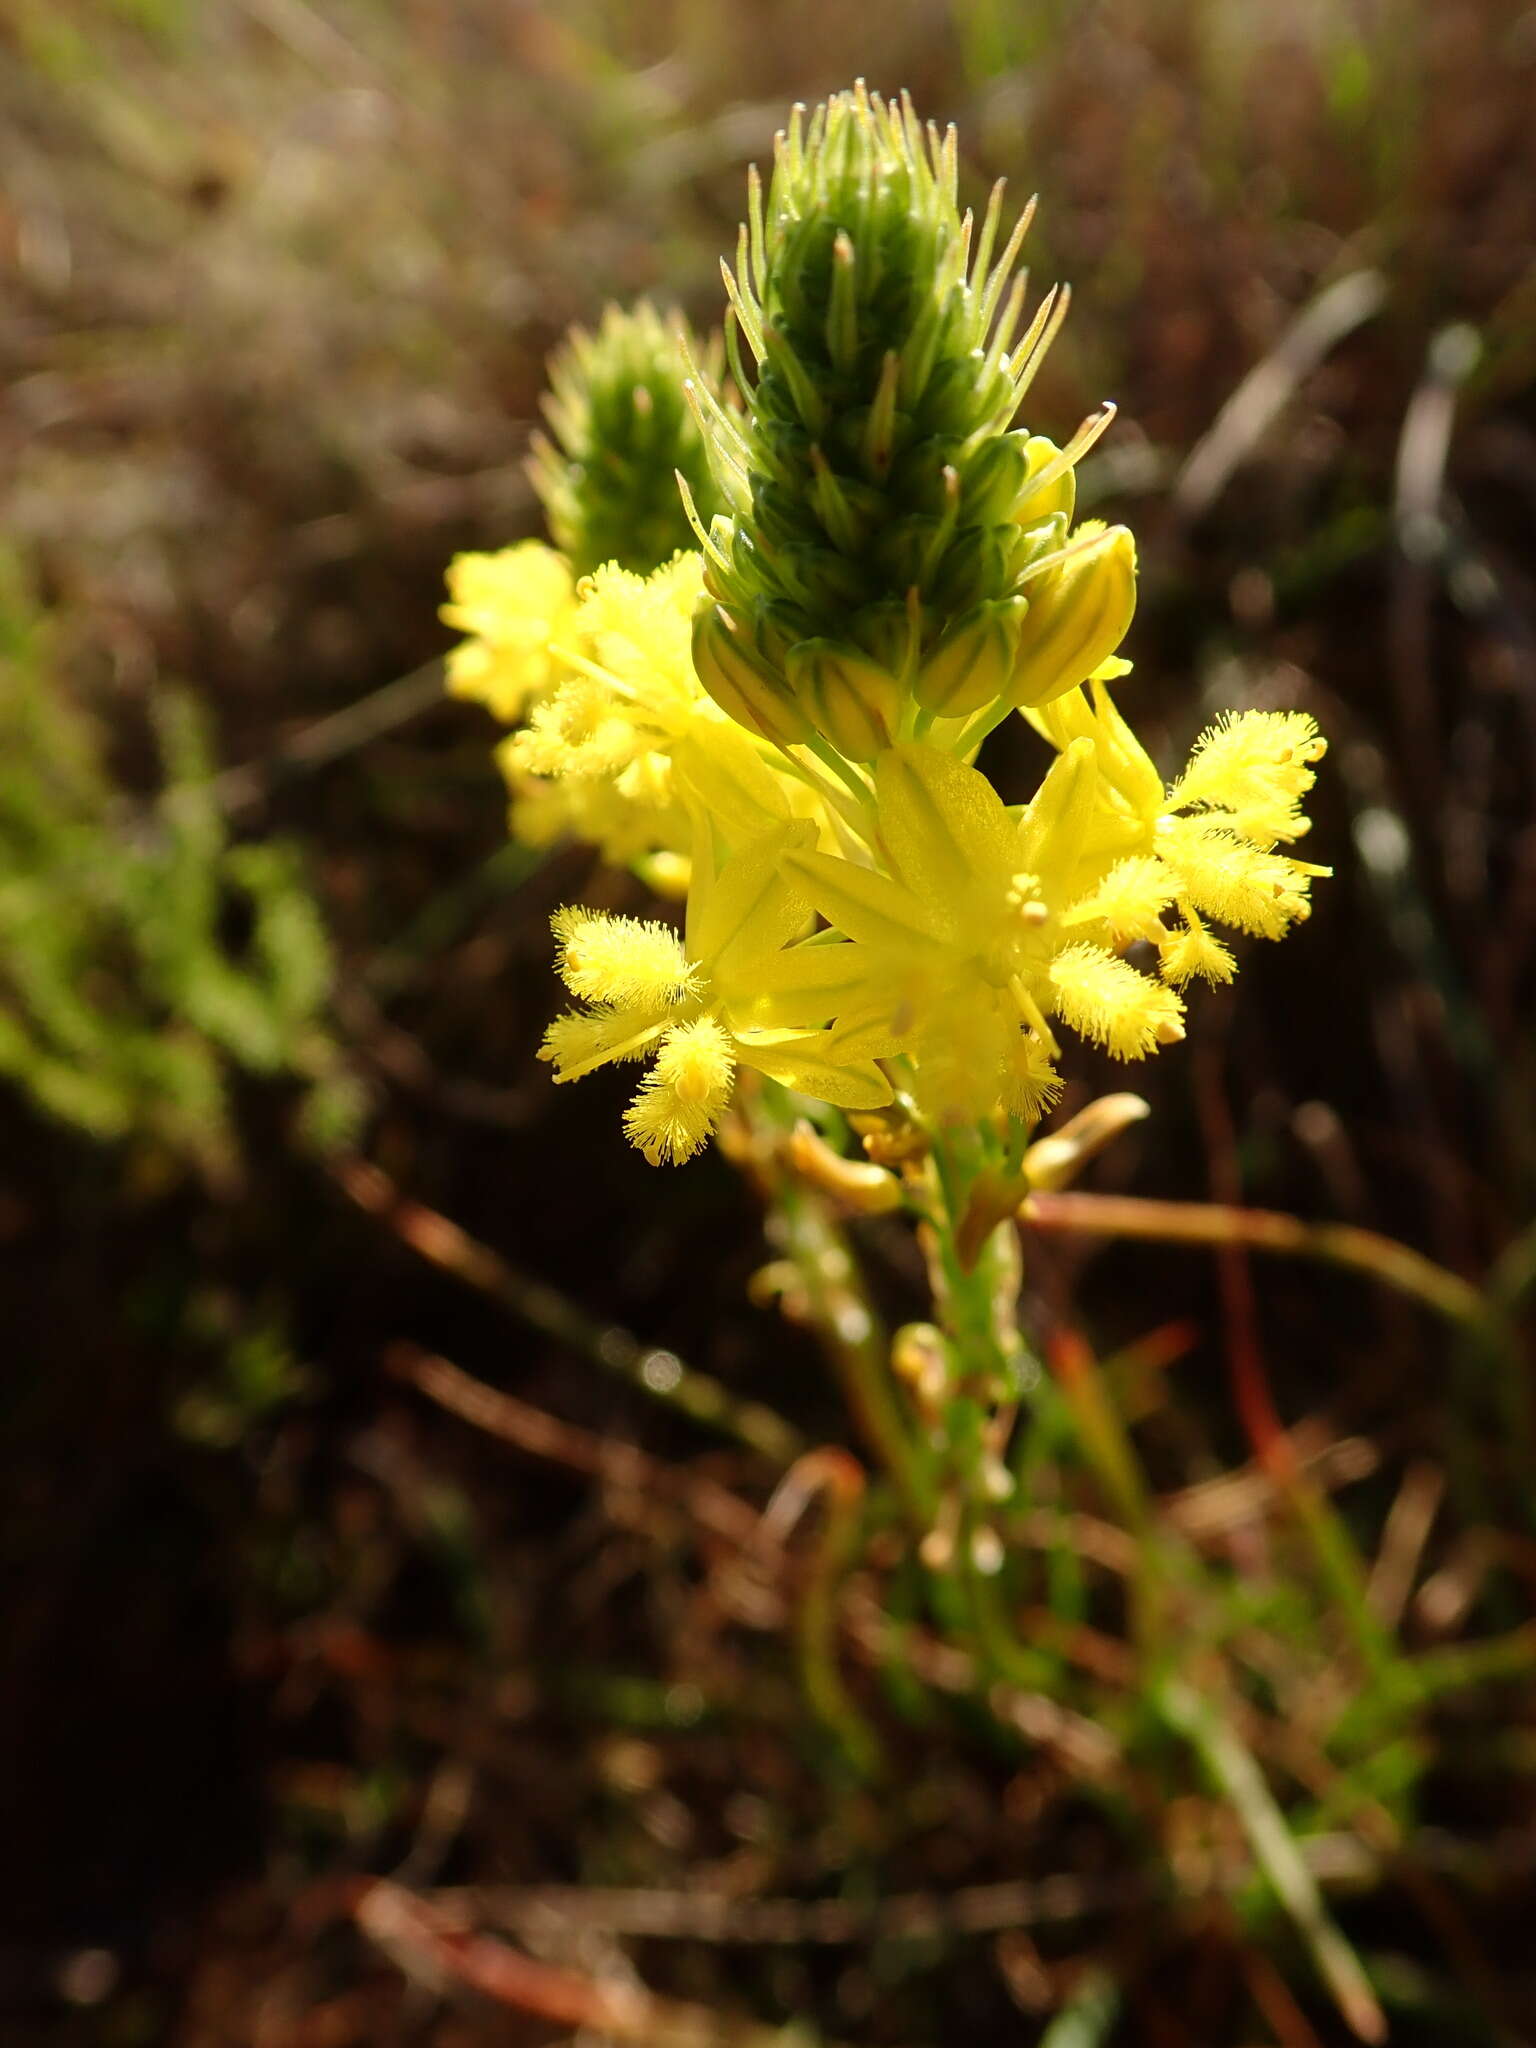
{"x": 1275, "y": 1850}
{"x": 828, "y": 755}
{"x": 809, "y": 1237}
{"x": 977, "y": 1303}
{"x": 817, "y": 1624}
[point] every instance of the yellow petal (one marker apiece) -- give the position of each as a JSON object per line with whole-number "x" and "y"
{"x": 720, "y": 766}
{"x": 804, "y": 985}
{"x": 582, "y": 1040}
{"x": 754, "y": 906}
{"x": 804, "y": 1065}
{"x": 945, "y": 829}
{"x": 865, "y": 905}
{"x": 1059, "y": 820}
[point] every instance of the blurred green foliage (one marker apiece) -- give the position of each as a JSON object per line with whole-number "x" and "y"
{"x": 144, "y": 959}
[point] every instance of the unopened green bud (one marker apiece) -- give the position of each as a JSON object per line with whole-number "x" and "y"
{"x": 972, "y": 665}
{"x": 1079, "y": 611}
{"x": 878, "y": 494}
{"x": 993, "y": 479}
{"x": 885, "y": 632}
{"x": 740, "y": 684}
{"x": 985, "y": 562}
{"x": 852, "y": 700}
{"x": 622, "y": 432}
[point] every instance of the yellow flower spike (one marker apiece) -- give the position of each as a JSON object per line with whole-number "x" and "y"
{"x": 893, "y": 557}
{"x": 1079, "y": 612}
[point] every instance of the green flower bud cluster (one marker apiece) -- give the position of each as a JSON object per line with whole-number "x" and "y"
{"x": 623, "y": 432}
{"x": 892, "y": 551}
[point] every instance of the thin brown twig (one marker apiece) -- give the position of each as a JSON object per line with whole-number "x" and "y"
{"x": 643, "y": 1912}
{"x": 1258, "y": 400}
{"x": 327, "y": 739}
{"x": 659, "y": 1373}
{"x": 1264, "y": 1230}
{"x": 435, "y": 1948}
{"x": 540, "y": 1435}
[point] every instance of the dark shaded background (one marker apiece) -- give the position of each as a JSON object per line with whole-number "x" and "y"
{"x": 276, "y": 284}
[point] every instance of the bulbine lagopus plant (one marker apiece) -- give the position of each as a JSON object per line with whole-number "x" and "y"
{"x": 780, "y": 723}
{"x": 143, "y": 971}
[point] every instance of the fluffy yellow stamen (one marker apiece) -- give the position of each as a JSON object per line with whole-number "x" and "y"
{"x": 1032, "y": 1084}
{"x": 1107, "y": 1000}
{"x": 1192, "y": 951}
{"x": 1226, "y": 877}
{"x": 682, "y": 1097}
{"x": 1128, "y": 900}
{"x": 1257, "y": 766}
{"x": 621, "y": 961}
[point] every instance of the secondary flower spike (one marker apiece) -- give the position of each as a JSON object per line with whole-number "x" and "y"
{"x": 893, "y": 551}
{"x": 622, "y": 434}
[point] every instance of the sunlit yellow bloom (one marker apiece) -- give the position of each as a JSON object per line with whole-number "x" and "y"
{"x": 966, "y": 947}
{"x": 734, "y": 991}
{"x": 516, "y": 608}
{"x": 621, "y": 746}
{"x": 1205, "y": 847}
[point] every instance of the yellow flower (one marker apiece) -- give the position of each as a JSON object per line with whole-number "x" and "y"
{"x": 734, "y": 991}
{"x": 1206, "y": 846}
{"x": 517, "y": 607}
{"x": 620, "y": 747}
{"x": 964, "y": 947}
